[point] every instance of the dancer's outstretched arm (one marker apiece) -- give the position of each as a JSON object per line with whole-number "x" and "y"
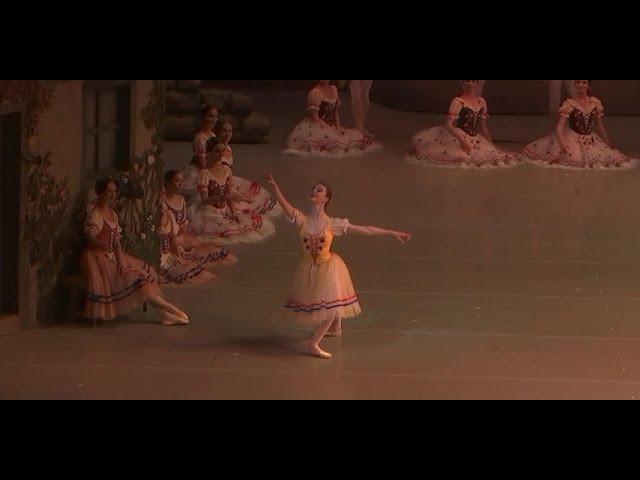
{"x": 280, "y": 198}
{"x": 376, "y": 231}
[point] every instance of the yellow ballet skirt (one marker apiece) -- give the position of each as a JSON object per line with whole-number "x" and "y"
{"x": 322, "y": 287}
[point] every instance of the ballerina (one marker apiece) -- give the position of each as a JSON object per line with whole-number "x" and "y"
{"x": 574, "y": 144}
{"x": 465, "y": 140}
{"x": 208, "y": 120}
{"x": 321, "y": 133}
{"x": 323, "y": 294}
{"x": 262, "y": 202}
{"x": 222, "y": 214}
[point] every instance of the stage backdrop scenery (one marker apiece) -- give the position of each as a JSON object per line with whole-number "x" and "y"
{"x": 621, "y": 97}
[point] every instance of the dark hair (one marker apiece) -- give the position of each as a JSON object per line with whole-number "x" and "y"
{"x": 170, "y": 175}
{"x": 212, "y": 143}
{"x": 221, "y": 123}
{"x": 102, "y": 185}
{"x": 329, "y": 192}
{"x": 204, "y": 111}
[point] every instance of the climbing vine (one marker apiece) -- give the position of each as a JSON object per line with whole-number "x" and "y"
{"x": 141, "y": 187}
{"x": 47, "y": 201}
{"x": 48, "y": 196}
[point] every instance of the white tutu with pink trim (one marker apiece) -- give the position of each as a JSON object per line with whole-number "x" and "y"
{"x": 437, "y": 147}
{"x": 317, "y": 138}
{"x": 584, "y": 149}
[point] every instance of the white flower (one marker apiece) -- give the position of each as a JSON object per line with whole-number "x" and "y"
{"x": 151, "y": 159}
{"x": 153, "y": 228}
{"x": 143, "y": 236}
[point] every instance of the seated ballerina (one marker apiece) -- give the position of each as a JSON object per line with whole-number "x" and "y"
{"x": 222, "y": 213}
{"x": 574, "y": 145}
{"x": 262, "y": 201}
{"x": 117, "y": 282}
{"x": 208, "y": 119}
{"x": 321, "y": 134}
{"x": 465, "y": 141}
{"x": 184, "y": 260}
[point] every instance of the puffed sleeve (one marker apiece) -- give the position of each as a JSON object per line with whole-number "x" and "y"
{"x": 314, "y": 100}
{"x": 566, "y": 109}
{"x": 202, "y": 181}
{"x": 93, "y": 223}
{"x": 599, "y": 107}
{"x": 298, "y": 218}
{"x": 455, "y": 108}
{"x": 168, "y": 223}
{"x": 340, "y": 226}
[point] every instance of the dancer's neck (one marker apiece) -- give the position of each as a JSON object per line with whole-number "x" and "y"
{"x": 317, "y": 212}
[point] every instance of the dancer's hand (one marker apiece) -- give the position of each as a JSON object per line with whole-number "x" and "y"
{"x": 270, "y": 180}
{"x": 563, "y": 149}
{"x": 122, "y": 269}
{"x": 177, "y": 247}
{"x": 402, "y": 237}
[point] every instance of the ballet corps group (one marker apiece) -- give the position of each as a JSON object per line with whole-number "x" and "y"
{"x": 206, "y": 207}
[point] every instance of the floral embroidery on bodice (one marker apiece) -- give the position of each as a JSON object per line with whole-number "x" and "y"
{"x": 317, "y": 245}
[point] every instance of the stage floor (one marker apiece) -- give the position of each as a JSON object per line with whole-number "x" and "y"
{"x": 520, "y": 284}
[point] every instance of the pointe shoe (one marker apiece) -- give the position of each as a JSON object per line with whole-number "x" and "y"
{"x": 171, "y": 320}
{"x": 316, "y": 351}
{"x": 180, "y": 314}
